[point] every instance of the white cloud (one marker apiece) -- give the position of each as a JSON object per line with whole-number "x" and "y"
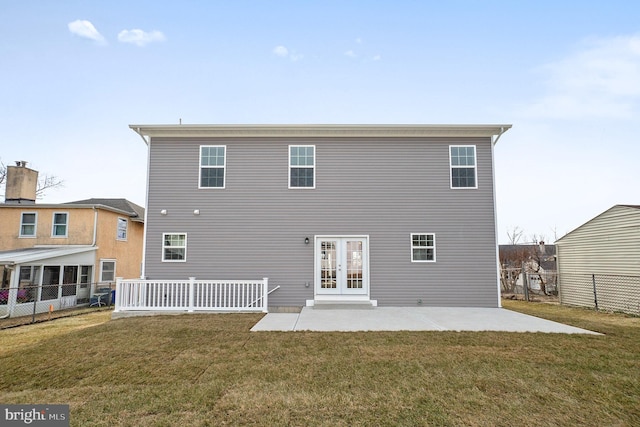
{"x": 377, "y": 58}
{"x": 140, "y": 38}
{"x": 86, "y": 30}
{"x": 350, "y": 54}
{"x": 283, "y": 52}
{"x": 601, "y": 80}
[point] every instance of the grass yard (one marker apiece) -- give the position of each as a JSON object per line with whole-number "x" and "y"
{"x": 206, "y": 370}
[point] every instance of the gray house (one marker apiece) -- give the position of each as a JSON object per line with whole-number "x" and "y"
{"x": 393, "y": 215}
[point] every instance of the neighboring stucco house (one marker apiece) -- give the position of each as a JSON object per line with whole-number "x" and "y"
{"x": 603, "y": 253}
{"x": 394, "y": 215}
{"x": 58, "y": 254}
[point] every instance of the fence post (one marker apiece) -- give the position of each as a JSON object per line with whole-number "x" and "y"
{"x": 191, "y": 296}
{"x": 118, "y": 294}
{"x": 595, "y": 294}
{"x": 265, "y": 294}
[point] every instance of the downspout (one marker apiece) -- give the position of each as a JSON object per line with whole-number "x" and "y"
{"x": 147, "y": 142}
{"x": 95, "y": 226}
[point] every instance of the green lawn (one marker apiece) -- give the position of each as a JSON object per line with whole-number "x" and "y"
{"x": 199, "y": 370}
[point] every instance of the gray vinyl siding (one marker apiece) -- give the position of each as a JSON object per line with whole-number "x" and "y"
{"x": 385, "y": 188}
{"x": 606, "y": 245}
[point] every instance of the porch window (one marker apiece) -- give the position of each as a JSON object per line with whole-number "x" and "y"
{"x": 121, "y": 233}
{"x": 28, "y": 223}
{"x": 69, "y": 280}
{"x": 60, "y": 222}
{"x": 302, "y": 166}
{"x": 174, "y": 247}
{"x": 107, "y": 270}
{"x": 423, "y": 247}
{"x": 213, "y": 161}
{"x": 50, "y": 282}
{"x": 462, "y": 159}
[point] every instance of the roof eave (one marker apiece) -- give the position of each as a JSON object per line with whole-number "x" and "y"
{"x": 319, "y": 130}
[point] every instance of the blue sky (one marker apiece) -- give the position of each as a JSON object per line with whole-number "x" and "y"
{"x": 75, "y": 74}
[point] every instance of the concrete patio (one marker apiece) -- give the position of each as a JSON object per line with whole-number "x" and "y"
{"x": 411, "y": 319}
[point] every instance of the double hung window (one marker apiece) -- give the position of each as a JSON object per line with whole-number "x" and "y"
{"x": 423, "y": 247}
{"x": 302, "y": 166}
{"x": 60, "y": 224}
{"x": 174, "y": 247}
{"x": 28, "y": 223}
{"x": 213, "y": 162}
{"x": 463, "y": 166}
{"x": 121, "y": 233}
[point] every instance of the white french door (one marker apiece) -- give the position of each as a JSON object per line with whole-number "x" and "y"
{"x": 342, "y": 266}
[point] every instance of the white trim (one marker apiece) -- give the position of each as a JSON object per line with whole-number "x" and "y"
{"x": 422, "y": 247}
{"x": 475, "y": 167}
{"x": 126, "y": 229}
{"x": 223, "y": 167}
{"x": 495, "y": 227}
{"x": 53, "y": 225}
{"x": 35, "y": 226}
{"x": 163, "y": 248}
{"x": 102, "y": 261}
{"x": 301, "y": 167}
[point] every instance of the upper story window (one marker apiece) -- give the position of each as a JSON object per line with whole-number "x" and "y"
{"x": 121, "y": 233}
{"x": 28, "y": 222}
{"x": 302, "y": 166}
{"x": 60, "y": 224}
{"x": 213, "y": 161}
{"x": 463, "y": 166}
{"x": 423, "y": 247}
{"x": 174, "y": 247}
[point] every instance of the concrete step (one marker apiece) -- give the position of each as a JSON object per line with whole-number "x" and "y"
{"x": 343, "y": 305}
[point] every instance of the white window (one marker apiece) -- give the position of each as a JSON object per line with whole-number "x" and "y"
{"x": 302, "y": 166}
{"x": 28, "y": 222}
{"x": 122, "y": 229}
{"x": 213, "y": 161}
{"x": 174, "y": 247}
{"x": 462, "y": 159}
{"x": 108, "y": 270}
{"x": 60, "y": 224}
{"x": 423, "y": 247}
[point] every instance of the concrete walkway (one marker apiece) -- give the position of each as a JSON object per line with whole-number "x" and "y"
{"x": 412, "y": 319}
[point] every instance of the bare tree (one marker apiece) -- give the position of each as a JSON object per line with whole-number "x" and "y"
{"x": 45, "y": 181}
{"x": 514, "y": 235}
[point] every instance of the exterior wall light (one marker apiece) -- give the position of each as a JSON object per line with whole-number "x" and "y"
{"x": 163, "y": 212}
{"x": 196, "y": 211}
{"x": 306, "y": 240}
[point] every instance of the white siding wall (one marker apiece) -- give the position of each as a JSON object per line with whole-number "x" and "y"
{"x": 607, "y": 245}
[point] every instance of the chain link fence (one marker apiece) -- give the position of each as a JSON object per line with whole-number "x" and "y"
{"x": 602, "y": 292}
{"x": 29, "y": 302}
{"x": 530, "y": 285}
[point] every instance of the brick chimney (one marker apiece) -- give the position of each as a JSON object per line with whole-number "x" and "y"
{"x": 21, "y": 184}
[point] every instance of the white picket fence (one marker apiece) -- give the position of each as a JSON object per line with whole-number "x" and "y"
{"x": 191, "y": 295}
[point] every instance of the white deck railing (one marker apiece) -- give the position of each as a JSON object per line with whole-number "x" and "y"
{"x": 191, "y": 295}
